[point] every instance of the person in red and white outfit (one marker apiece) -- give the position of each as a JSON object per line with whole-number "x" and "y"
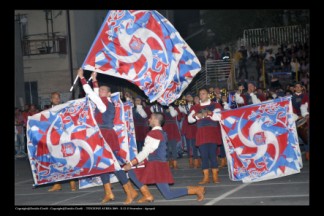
{"x": 140, "y": 123}
{"x": 206, "y": 114}
{"x": 301, "y": 109}
{"x": 249, "y": 97}
{"x": 156, "y": 170}
{"x": 171, "y": 116}
{"x": 171, "y": 128}
{"x": 104, "y": 115}
{"x": 189, "y": 131}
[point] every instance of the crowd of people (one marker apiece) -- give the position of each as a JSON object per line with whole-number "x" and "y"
{"x": 271, "y": 57}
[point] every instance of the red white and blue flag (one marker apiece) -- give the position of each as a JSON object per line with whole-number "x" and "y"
{"x": 144, "y": 48}
{"x": 130, "y": 127}
{"x": 261, "y": 141}
{"x": 120, "y": 128}
{"x": 65, "y": 142}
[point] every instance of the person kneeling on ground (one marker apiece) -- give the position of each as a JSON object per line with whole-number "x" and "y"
{"x": 156, "y": 170}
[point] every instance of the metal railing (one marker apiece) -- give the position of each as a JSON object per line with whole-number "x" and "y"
{"x": 220, "y": 72}
{"x": 200, "y": 80}
{"x": 39, "y": 45}
{"x": 285, "y": 34}
{"x": 216, "y": 72}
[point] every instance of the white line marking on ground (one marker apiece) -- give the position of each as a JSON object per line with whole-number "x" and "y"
{"x": 278, "y": 196}
{"x": 264, "y": 184}
{"x": 21, "y": 182}
{"x": 217, "y": 199}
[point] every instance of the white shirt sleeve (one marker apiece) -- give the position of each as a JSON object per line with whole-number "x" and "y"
{"x": 191, "y": 119}
{"x": 95, "y": 98}
{"x": 255, "y": 100}
{"x": 238, "y": 98}
{"x": 216, "y": 115}
{"x": 150, "y": 145}
{"x": 182, "y": 109}
{"x": 303, "y": 109}
{"x": 141, "y": 111}
{"x": 173, "y": 112}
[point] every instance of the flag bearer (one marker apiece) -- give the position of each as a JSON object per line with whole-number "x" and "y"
{"x": 104, "y": 115}
{"x": 208, "y": 133}
{"x": 156, "y": 170}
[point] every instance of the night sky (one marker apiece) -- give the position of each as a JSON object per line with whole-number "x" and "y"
{"x": 182, "y": 19}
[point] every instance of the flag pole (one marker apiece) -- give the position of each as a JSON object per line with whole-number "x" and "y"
{"x": 76, "y": 79}
{"x": 70, "y": 52}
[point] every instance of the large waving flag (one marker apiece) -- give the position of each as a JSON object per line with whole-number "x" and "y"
{"x": 144, "y": 48}
{"x": 65, "y": 142}
{"x": 261, "y": 141}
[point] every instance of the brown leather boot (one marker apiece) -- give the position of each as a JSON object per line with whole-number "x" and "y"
{"x": 198, "y": 190}
{"x": 130, "y": 192}
{"x": 205, "y": 179}
{"x": 191, "y": 165}
{"x": 108, "y": 194}
{"x": 133, "y": 191}
{"x": 223, "y": 162}
{"x": 73, "y": 185}
{"x": 307, "y": 156}
{"x": 215, "y": 176}
{"x": 56, "y": 187}
{"x": 175, "y": 164}
{"x": 196, "y": 163}
{"x": 171, "y": 164}
{"x": 147, "y": 196}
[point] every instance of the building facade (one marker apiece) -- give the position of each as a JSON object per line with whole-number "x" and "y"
{"x": 45, "y": 61}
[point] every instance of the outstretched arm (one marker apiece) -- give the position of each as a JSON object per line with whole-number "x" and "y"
{"x": 95, "y": 82}
{"x": 151, "y": 143}
{"x": 92, "y": 95}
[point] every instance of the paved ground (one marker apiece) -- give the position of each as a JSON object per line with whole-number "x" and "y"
{"x": 289, "y": 190}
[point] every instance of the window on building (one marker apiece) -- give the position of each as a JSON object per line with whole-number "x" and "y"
{"x": 31, "y": 93}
